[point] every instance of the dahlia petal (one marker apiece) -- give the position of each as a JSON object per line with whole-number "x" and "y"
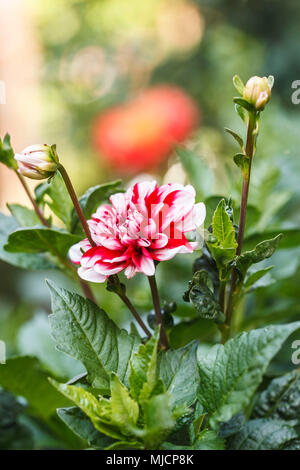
{"x": 89, "y": 274}
{"x": 130, "y": 271}
{"x": 76, "y": 251}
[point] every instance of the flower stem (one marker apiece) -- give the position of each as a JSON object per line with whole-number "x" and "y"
{"x": 249, "y": 153}
{"x": 76, "y": 204}
{"x": 159, "y": 318}
{"x": 114, "y": 285}
{"x": 33, "y": 202}
{"x": 85, "y": 287}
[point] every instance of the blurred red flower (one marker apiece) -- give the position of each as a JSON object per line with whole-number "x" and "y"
{"x": 141, "y": 134}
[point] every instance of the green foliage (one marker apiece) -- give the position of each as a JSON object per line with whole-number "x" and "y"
{"x": 40, "y": 240}
{"x": 230, "y": 374}
{"x": 223, "y": 245}
{"x": 84, "y": 331}
{"x": 201, "y": 294}
{"x": 23, "y": 376}
{"x": 178, "y": 370}
{"x": 281, "y": 399}
{"x": 92, "y": 199}
{"x": 262, "y": 251}
{"x": 197, "y": 172}
{"x": 7, "y": 153}
{"x": 13, "y": 434}
{"x": 83, "y": 427}
{"x": 56, "y": 196}
{"x": 263, "y": 434}
{"x": 29, "y": 261}
{"x": 24, "y": 216}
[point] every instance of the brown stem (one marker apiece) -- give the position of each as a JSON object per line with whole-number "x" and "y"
{"x": 76, "y": 204}
{"x": 33, "y": 202}
{"x": 127, "y": 302}
{"x": 159, "y": 318}
{"x": 249, "y": 152}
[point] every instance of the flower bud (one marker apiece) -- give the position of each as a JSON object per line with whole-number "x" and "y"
{"x": 37, "y": 161}
{"x": 257, "y": 91}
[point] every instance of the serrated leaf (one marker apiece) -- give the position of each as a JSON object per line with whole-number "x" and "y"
{"x": 24, "y": 216}
{"x": 281, "y": 400}
{"x": 236, "y": 136}
{"x": 159, "y": 420}
{"x": 83, "y": 427}
{"x": 230, "y": 374}
{"x": 238, "y": 84}
{"x": 85, "y": 332}
{"x": 262, "y": 251}
{"x": 7, "y": 153}
{"x": 179, "y": 372}
{"x": 97, "y": 410}
{"x": 143, "y": 379}
{"x": 23, "y": 376}
{"x": 290, "y": 238}
{"x": 21, "y": 260}
{"x": 92, "y": 199}
{"x": 40, "y": 240}
{"x": 124, "y": 410}
{"x": 263, "y": 434}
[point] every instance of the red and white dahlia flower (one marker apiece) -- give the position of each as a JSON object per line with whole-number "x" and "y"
{"x": 146, "y": 224}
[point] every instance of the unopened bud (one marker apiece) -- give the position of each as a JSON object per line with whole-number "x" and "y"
{"x": 37, "y": 161}
{"x": 257, "y": 91}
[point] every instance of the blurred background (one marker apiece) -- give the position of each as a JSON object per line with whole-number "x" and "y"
{"x": 117, "y": 85}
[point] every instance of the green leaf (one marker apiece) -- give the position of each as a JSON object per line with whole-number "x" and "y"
{"x": 179, "y": 372}
{"x": 24, "y": 376}
{"x": 241, "y": 112}
{"x": 256, "y": 276}
{"x": 242, "y": 161}
{"x": 58, "y": 198}
{"x": 21, "y": 260}
{"x": 97, "y": 410}
{"x": 290, "y": 238}
{"x": 281, "y": 400}
{"x": 159, "y": 420}
{"x": 187, "y": 331}
{"x": 199, "y": 174}
{"x": 143, "y": 377}
{"x": 124, "y": 410}
{"x": 208, "y": 440}
{"x": 201, "y": 294}
{"x": 230, "y": 374}
{"x": 222, "y": 225}
{"x": 92, "y": 199}
{"x": 40, "y": 240}
{"x": 271, "y": 81}
{"x": 7, "y": 153}
{"x": 223, "y": 248}
{"x": 244, "y": 104}
{"x": 24, "y": 216}
{"x": 263, "y": 434}
{"x": 83, "y": 427}
{"x": 85, "y": 332}
{"x": 262, "y": 251}
{"x": 236, "y": 136}
{"x": 238, "y": 84}
{"x": 13, "y": 434}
